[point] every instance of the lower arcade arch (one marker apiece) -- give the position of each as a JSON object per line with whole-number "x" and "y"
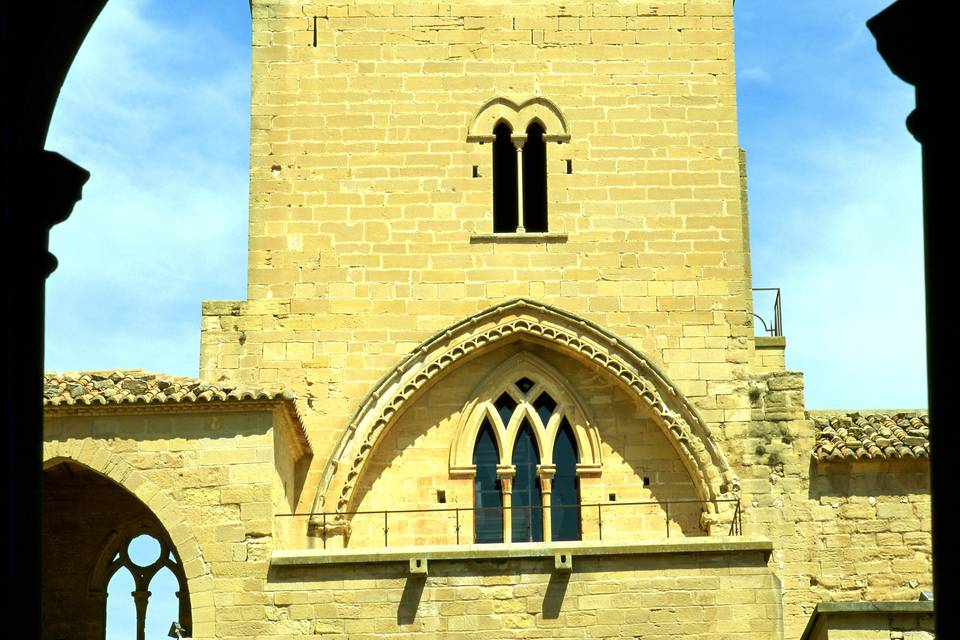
{"x": 95, "y": 532}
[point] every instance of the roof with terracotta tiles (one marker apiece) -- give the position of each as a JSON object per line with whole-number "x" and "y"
{"x": 874, "y": 436}
{"x": 135, "y": 386}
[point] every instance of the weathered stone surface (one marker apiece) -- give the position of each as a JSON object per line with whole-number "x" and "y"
{"x": 369, "y": 235}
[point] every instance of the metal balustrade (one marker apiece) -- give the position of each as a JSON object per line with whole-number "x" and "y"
{"x": 455, "y": 525}
{"x": 775, "y": 328}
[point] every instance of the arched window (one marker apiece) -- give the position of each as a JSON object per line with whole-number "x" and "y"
{"x": 520, "y": 134}
{"x": 526, "y": 462}
{"x": 159, "y": 596}
{"x": 527, "y": 511}
{"x": 488, "y": 516}
{"x": 535, "y": 180}
{"x": 506, "y": 217}
{"x": 565, "y": 505}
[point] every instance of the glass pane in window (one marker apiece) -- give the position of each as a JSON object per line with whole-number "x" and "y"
{"x": 535, "y": 180}
{"x": 506, "y": 207}
{"x": 505, "y": 406}
{"x": 527, "y": 514}
{"x": 487, "y": 499}
{"x": 565, "y": 500}
{"x": 524, "y": 384}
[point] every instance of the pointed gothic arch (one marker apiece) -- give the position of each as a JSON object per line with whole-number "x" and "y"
{"x": 173, "y": 524}
{"x": 541, "y": 324}
{"x": 547, "y": 379}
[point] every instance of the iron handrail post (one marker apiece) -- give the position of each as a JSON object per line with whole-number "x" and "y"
{"x": 776, "y": 328}
{"x": 777, "y": 314}
{"x": 600, "y": 520}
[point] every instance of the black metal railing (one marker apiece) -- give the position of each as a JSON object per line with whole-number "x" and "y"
{"x": 736, "y": 522}
{"x": 329, "y": 524}
{"x": 775, "y": 327}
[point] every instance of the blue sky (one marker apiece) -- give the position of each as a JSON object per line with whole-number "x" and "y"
{"x": 156, "y": 106}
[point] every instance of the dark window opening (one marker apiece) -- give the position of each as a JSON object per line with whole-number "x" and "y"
{"x": 565, "y": 505}
{"x": 506, "y": 215}
{"x": 505, "y": 406}
{"x": 524, "y": 384}
{"x": 544, "y": 407}
{"x": 488, "y": 517}
{"x": 535, "y": 180}
{"x": 526, "y": 518}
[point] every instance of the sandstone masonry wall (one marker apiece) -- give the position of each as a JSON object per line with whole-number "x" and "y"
{"x": 208, "y": 476}
{"x": 695, "y": 596}
{"x": 841, "y": 531}
{"x": 412, "y": 463}
{"x": 368, "y": 232}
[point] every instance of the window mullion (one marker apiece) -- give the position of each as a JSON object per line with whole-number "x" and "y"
{"x": 518, "y": 142}
{"x": 140, "y": 598}
{"x": 546, "y": 473}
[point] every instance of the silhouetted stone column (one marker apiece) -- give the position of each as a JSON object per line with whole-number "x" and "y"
{"x": 910, "y": 37}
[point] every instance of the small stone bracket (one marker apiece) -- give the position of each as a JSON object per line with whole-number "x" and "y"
{"x": 563, "y": 562}
{"x": 418, "y": 566}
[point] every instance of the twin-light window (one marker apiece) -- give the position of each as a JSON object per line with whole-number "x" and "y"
{"x": 519, "y": 180}
{"x": 519, "y": 134}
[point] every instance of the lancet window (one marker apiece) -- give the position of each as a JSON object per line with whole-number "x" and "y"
{"x": 525, "y": 457}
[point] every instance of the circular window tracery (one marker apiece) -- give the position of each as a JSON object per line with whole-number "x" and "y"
{"x": 146, "y": 556}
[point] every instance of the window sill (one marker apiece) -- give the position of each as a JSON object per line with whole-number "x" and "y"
{"x": 706, "y": 544}
{"x": 508, "y": 238}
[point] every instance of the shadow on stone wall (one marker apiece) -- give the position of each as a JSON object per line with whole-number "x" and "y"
{"x": 410, "y": 599}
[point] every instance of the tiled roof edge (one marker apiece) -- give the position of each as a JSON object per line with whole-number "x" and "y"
{"x": 137, "y": 387}
{"x": 867, "y": 435}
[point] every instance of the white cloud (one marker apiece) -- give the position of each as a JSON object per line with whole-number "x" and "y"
{"x": 754, "y": 74}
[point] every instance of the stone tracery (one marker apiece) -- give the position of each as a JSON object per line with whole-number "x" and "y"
{"x": 534, "y": 322}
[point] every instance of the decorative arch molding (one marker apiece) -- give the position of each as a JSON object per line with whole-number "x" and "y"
{"x": 499, "y": 381}
{"x": 523, "y": 319}
{"x": 101, "y": 460}
{"x": 518, "y": 116}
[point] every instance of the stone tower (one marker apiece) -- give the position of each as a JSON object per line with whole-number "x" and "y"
{"x": 496, "y": 373}
{"x": 374, "y": 170}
